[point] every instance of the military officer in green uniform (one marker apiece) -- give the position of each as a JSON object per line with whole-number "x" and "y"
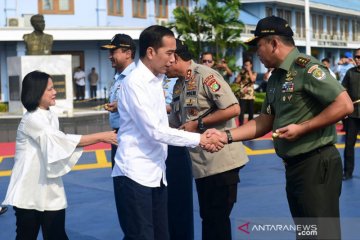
{"x": 303, "y": 101}
{"x": 202, "y": 99}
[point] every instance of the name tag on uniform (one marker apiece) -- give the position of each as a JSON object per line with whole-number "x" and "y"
{"x": 191, "y": 93}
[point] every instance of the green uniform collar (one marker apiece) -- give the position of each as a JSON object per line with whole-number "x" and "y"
{"x": 289, "y": 60}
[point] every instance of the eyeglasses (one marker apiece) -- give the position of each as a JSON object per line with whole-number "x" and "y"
{"x": 207, "y": 61}
{"x": 357, "y": 56}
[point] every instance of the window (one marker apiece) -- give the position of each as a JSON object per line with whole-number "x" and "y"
{"x": 115, "y": 7}
{"x": 139, "y": 8}
{"x": 321, "y": 24}
{"x": 161, "y": 8}
{"x": 285, "y": 14}
{"x": 356, "y": 30}
{"x": 314, "y": 25}
{"x": 182, "y": 3}
{"x": 56, "y": 6}
{"x": 269, "y": 11}
{"x": 344, "y": 28}
{"x": 334, "y": 26}
{"x": 300, "y": 24}
{"x": 328, "y": 25}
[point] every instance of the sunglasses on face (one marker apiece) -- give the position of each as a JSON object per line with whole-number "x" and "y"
{"x": 357, "y": 56}
{"x": 207, "y": 61}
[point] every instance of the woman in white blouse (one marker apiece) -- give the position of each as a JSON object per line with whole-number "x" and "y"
{"x": 43, "y": 154}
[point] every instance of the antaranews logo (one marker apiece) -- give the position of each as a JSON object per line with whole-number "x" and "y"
{"x": 245, "y": 228}
{"x": 301, "y": 230}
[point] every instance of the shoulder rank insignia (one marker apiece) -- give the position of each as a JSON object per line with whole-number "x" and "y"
{"x": 177, "y": 89}
{"x": 188, "y": 74}
{"x": 302, "y": 61}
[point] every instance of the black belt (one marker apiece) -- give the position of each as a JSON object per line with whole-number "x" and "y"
{"x": 296, "y": 159}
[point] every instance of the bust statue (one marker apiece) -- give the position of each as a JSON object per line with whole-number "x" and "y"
{"x": 38, "y": 42}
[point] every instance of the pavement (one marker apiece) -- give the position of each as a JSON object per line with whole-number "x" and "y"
{"x": 260, "y": 209}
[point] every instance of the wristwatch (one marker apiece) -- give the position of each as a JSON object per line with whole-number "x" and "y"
{"x": 229, "y": 137}
{"x": 201, "y": 125}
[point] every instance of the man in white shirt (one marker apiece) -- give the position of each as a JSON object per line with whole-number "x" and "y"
{"x": 326, "y": 62}
{"x": 79, "y": 77}
{"x": 144, "y": 133}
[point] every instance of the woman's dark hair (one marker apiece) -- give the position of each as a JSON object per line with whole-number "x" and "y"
{"x": 33, "y": 87}
{"x": 152, "y": 37}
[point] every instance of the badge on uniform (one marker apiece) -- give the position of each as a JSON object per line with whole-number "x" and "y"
{"x": 192, "y": 111}
{"x": 188, "y": 73}
{"x": 289, "y": 97}
{"x": 317, "y": 72}
{"x": 287, "y": 87}
{"x": 177, "y": 89}
{"x": 211, "y": 82}
{"x": 189, "y": 102}
{"x": 290, "y": 76}
{"x": 191, "y": 84}
{"x": 268, "y": 109}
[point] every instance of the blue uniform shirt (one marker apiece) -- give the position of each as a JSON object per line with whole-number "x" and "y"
{"x": 114, "y": 116}
{"x": 168, "y": 86}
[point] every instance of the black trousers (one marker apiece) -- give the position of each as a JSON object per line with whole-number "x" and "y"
{"x": 28, "y": 223}
{"x": 80, "y": 92}
{"x": 313, "y": 187}
{"x": 142, "y": 210}
{"x": 246, "y": 105}
{"x": 180, "y": 197}
{"x": 353, "y": 128}
{"x": 93, "y": 90}
{"x": 113, "y": 153}
{"x": 217, "y": 195}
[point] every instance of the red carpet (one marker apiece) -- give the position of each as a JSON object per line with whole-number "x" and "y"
{"x": 8, "y": 148}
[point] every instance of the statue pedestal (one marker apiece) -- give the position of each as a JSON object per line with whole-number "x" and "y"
{"x": 57, "y": 66}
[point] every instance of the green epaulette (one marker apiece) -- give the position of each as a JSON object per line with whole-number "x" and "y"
{"x": 302, "y": 61}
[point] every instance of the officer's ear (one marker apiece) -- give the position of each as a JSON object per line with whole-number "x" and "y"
{"x": 274, "y": 43}
{"x": 176, "y": 58}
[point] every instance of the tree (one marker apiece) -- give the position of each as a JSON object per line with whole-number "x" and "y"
{"x": 190, "y": 28}
{"x": 214, "y": 24}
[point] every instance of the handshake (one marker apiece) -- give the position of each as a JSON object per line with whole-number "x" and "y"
{"x": 213, "y": 140}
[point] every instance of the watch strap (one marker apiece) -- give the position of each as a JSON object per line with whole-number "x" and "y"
{"x": 229, "y": 136}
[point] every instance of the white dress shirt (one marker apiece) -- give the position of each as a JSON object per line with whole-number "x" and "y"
{"x": 43, "y": 154}
{"x": 80, "y": 78}
{"x": 144, "y": 129}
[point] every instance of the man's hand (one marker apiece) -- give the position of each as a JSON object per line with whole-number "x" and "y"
{"x": 213, "y": 140}
{"x": 111, "y": 107}
{"x": 190, "y": 126}
{"x": 290, "y": 132}
{"x": 109, "y": 137}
